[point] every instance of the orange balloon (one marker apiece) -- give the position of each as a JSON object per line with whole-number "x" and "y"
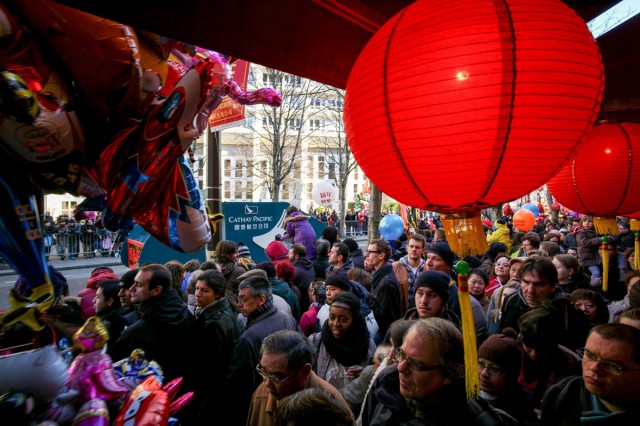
{"x": 524, "y": 220}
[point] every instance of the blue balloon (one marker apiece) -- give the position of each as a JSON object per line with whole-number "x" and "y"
{"x": 532, "y": 208}
{"x": 391, "y": 227}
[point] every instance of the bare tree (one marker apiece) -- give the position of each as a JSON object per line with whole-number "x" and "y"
{"x": 335, "y": 148}
{"x": 281, "y": 131}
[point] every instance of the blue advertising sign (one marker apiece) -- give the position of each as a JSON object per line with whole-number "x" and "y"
{"x": 256, "y": 224}
{"x": 140, "y": 248}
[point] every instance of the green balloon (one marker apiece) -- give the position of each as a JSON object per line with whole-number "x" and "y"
{"x": 462, "y": 268}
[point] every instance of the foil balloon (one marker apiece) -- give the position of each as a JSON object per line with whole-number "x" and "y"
{"x": 92, "y": 413}
{"x": 178, "y": 217}
{"x": 91, "y": 373}
{"x": 147, "y": 405}
{"x": 101, "y": 55}
{"x": 134, "y": 370}
{"x": 21, "y": 246}
{"x": 38, "y": 124}
{"x": 42, "y": 372}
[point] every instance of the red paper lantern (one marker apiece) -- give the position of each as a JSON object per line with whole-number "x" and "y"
{"x": 460, "y": 105}
{"x": 524, "y": 220}
{"x": 602, "y": 177}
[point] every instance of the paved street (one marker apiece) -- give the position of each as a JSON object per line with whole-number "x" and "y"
{"x": 77, "y": 272}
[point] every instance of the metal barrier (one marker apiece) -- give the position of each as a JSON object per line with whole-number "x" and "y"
{"x": 72, "y": 245}
{"x": 354, "y": 228}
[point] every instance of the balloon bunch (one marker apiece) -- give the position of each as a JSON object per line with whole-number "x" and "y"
{"x": 141, "y": 100}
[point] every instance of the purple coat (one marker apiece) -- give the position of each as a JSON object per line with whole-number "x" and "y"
{"x": 299, "y": 228}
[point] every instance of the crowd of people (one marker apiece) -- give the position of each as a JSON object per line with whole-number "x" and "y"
{"x": 371, "y": 338}
{"x": 68, "y": 239}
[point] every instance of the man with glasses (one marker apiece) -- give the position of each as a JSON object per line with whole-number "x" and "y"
{"x": 286, "y": 359}
{"x": 608, "y": 393}
{"x": 385, "y": 290}
{"x": 427, "y": 385}
{"x": 255, "y": 302}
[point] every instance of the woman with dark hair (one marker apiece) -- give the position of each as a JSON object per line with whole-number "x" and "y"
{"x": 330, "y": 233}
{"x": 592, "y": 305}
{"x": 344, "y": 347}
{"x": 297, "y": 226}
{"x": 478, "y": 282}
{"x": 226, "y": 255}
{"x": 545, "y": 362}
{"x": 499, "y": 273}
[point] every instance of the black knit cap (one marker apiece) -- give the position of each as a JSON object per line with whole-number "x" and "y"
{"x": 338, "y": 279}
{"x": 437, "y": 281}
{"x": 126, "y": 281}
{"x": 442, "y": 249}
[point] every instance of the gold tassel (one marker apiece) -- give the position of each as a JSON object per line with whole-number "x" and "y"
{"x": 465, "y": 235}
{"x": 636, "y": 252}
{"x": 605, "y": 264}
{"x": 472, "y": 375}
{"x": 635, "y": 224}
{"x": 606, "y": 226}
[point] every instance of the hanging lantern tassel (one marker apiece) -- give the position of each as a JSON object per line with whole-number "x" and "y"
{"x": 606, "y": 225}
{"x": 465, "y": 235}
{"x": 605, "y": 263}
{"x": 472, "y": 379}
{"x": 634, "y": 224}
{"x": 636, "y": 252}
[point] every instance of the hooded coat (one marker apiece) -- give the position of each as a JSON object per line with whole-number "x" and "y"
{"x": 299, "y": 228}
{"x": 88, "y": 293}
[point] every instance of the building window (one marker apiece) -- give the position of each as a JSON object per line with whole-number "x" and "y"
{"x": 316, "y": 103}
{"x": 285, "y": 191}
{"x": 309, "y": 191}
{"x": 356, "y": 172}
{"x": 238, "y": 170}
{"x": 238, "y": 191}
{"x": 310, "y": 166}
{"x": 294, "y": 123}
{"x": 267, "y": 121}
{"x": 316, "y": 125}
{"x": 249, "y": 168}
{"x": 320, "y": 174}
{"x": 296, "y": 171}
{"x": 227, "y": 168}
{"x": 227, "y": 190}
{"x": 355, "y": 189}
{"x": 293, "y": 80}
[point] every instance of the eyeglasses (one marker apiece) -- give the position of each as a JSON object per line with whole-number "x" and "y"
{"x": 493, "y": 371}
{"x": 415, "y": 366}
{"x": 372, "y": 251}
{"x": 275, "y": 380}
{"x": 610, "y": 366}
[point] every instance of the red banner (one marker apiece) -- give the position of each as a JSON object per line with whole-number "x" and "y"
{"x": 134, "y": 250}
{"x": 230, "y": 111}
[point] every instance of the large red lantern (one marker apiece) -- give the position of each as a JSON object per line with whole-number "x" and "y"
{"x": 460, "y": 105}
{"x": 602, "y": 177}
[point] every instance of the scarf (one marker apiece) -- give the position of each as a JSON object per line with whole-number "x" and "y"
{"x": 200, "y": 311}
{"x": 352, "y": 349}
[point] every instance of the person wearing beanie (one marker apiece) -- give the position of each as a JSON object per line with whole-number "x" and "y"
{"x": 243, "y": 251}
{"x": 430, "y": 298}
{"x": 499, "y": 362}
{"x": 355, "y": 252}
{"x": 215, "y": 336}
{"x": 335, "y": 283}
{"x": 127, "y": 309}
{"x": 432, "y": 293}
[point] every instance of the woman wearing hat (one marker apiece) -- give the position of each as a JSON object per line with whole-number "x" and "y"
{"x": 344, "y": 347}
{"x": 499, "y": 361}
